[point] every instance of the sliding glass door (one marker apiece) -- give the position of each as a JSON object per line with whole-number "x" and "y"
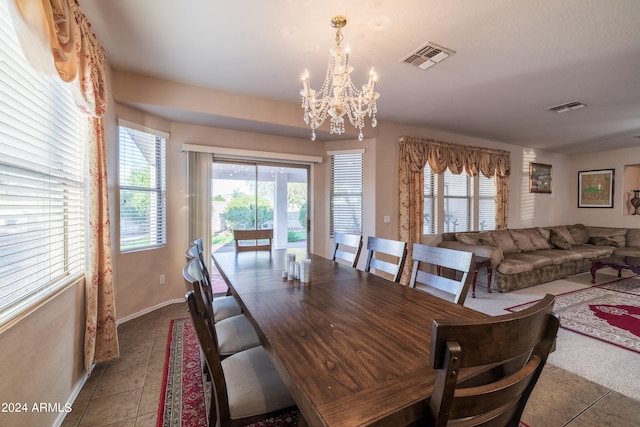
{"x": 253, "y": 195}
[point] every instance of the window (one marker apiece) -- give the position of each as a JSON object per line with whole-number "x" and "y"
{"x": 142, "y": 188}
{"x": 465, "y": 203}
{"x": 457, "y": 202}
{"x": 346, "y": 193}
{"x": 430, "y": 220}
{"x": 42, "y": 135}
{"x": 486, "y": 203}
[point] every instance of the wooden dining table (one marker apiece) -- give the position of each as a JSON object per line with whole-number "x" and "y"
{"x": 352, "y": 347}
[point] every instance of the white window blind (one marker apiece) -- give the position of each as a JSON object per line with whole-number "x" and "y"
{"x": 142, "y": 190}
{"x": 346, "y": 193}
{"x": 457, "y": 202}
{"x": 430, "y": 220}
{"x": 42, "y": 136}
{"x": 486, "y": 203}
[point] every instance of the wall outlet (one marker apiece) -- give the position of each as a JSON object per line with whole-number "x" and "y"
{"x": 162, "y": 280}
{"x": 386, "y": 219}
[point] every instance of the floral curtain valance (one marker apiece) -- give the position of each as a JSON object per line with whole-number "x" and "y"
{"x": 458, "y": 158}
{"x": 415, "y": 153}
{"x": 56, "y": 37}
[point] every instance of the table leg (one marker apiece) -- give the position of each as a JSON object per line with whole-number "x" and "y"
{"x": 489, "y": 276}
{"x": 594, "y": 268}
{"x": 473, "y": 283}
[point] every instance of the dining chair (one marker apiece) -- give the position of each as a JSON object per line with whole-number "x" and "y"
{"x": 346, "y": 247}
{"x": 392, "y": 248}
{"x": 191, "y": 253}
{"x": 253, "y": 240}
{"x": 197, "y": 245}
{"x": 234, "y": 333}
{"x": 517, "y": 344}
{"x": 199, "y": 248}
{"x": 223, "y": 306}
{"x": 454, "y": 288}
{"x": 245, "y": 387}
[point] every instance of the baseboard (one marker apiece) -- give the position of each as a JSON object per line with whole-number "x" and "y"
{"x": 148, "y": 310}
{"x": 72, "y": 399}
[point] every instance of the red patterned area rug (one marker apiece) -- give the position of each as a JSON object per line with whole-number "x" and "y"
{"x": 608, "y": 312}
{"x": 184, "y": 394}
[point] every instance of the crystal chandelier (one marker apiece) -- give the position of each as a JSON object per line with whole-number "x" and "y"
{"x": 338, "y": 96}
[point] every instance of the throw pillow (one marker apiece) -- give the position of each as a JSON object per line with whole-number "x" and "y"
{"x": 467, "y": 238}
{"x": 579, "y": 233}
{"x": 486, "y": 238}
{"x": 603, "y": 241}
{"x": 523, "y": 240}
{"x": 539, "y": 240}
{"x": 564, "y": 232}
{"x": 558, "y": 240}
{"x": 505, "y": 242}
{"x": 617, "y": 234}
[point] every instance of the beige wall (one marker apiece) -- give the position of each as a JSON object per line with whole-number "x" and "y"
{"x": 619, "y": 216}
{"x": 42, "y": 358}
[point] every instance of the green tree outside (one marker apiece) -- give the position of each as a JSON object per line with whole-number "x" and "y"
{"x": 240, "y": 212}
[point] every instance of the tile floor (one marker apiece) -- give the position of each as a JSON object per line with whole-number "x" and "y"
{"x": 126, "y": 392}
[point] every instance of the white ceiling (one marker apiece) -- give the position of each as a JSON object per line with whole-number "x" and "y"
{"x": 514, "y": 58}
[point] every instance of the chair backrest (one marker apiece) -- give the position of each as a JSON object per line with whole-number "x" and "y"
{"x": 459, "y": 261}
{"x": 518, "y": 343}
{"x": 199, "y": 249}
{"x": 197, "y": 242}
{"x": 394, "y": 248}
{"x": 196, "y": 282}
{"x": 342, "y": 241}
{"x": 209, "y": 345}
{"x": 191, "y": 253}
{"x": 253, "y": 240}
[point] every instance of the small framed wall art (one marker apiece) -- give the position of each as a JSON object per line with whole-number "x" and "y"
{"x": 595, "y": 188}
{"x": 539, "y": 178}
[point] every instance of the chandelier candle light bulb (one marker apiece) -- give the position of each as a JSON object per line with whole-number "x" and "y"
{"x": 338, "y": 95}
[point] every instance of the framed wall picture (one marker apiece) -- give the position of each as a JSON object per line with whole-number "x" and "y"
{"x": 595, "y": 188}
{"x": 539, "y": 178}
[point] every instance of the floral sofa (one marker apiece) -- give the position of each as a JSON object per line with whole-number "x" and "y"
{"x": 526, "y": 257}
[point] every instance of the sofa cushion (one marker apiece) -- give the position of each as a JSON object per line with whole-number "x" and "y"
{"x": 467, "y": 238}
{"x": 514, "y": 266}
{"x": 617, "y": 234}
{"x": 486, "y": 238}
{"x": 591, "y": 251}
{"x": 545, "y": 233}
{"x": 480, "y": 250}
{"x": 626, "y": 251}
{"x": 633, "y": 237}
{"x": 579, "y": 233}
{"x": 603, "y": 241}
{"x": 504, "y": 241}
{"x": 560, "y": 256}
{"x": 536, "y": 260}
{"x": 523, "y": 240}
{"x": 559, "y": 239}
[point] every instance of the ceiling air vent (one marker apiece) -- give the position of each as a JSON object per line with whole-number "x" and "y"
{"x": 563, "y": 108}
{"x": 427, "y": 56}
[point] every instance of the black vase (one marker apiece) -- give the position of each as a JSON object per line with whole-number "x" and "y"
{"x": 635, "y": 201}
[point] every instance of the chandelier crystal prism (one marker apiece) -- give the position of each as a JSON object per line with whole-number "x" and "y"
{"x": 338, "y": 96}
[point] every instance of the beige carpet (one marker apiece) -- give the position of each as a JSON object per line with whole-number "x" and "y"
{"x": 603, "y": 363}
